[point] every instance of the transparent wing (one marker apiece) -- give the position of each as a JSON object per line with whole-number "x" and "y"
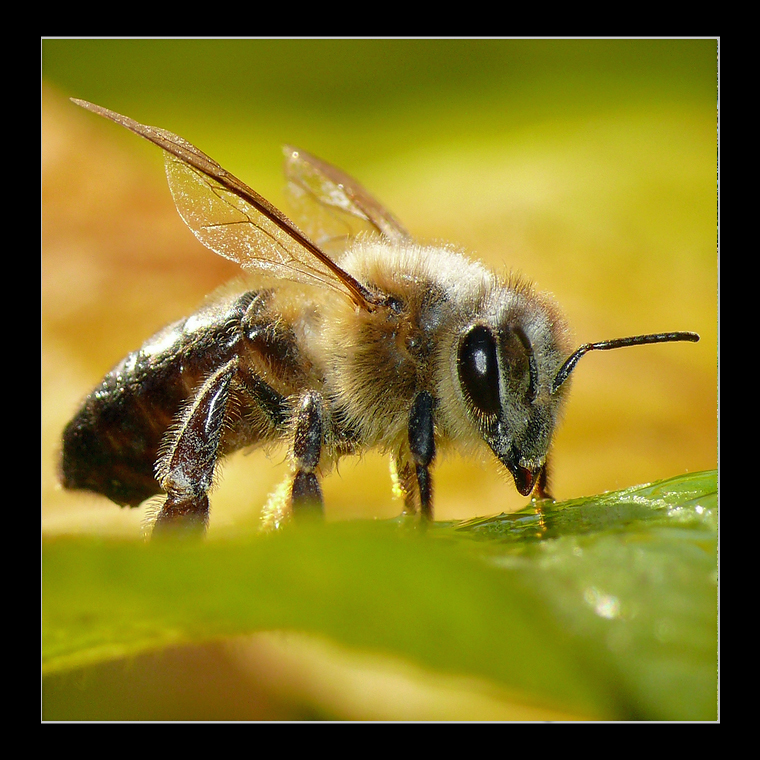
{"x": 234, "y": 221}
{"x": 332, "y": 206}
{"x": 228, "y": 224}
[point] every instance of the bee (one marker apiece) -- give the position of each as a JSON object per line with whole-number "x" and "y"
{"x": 391, "y": 345}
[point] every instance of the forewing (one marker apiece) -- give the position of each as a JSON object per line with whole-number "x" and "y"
{"x": 234, "y": 221}
{"x": 332, "y": 206}
{"x": 231, "y": 226}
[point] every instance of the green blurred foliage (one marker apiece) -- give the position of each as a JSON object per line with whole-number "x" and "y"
{"x": 604, "y": 608}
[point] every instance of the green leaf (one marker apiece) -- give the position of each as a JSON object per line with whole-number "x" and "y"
{"x": 606, "y": 607}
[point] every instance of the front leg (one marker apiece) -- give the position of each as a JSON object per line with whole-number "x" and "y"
{"x": 541, "y": 491}
{"x": 422, "y": 448}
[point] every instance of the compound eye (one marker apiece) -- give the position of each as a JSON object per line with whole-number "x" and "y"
{"x": 479, "y": 369}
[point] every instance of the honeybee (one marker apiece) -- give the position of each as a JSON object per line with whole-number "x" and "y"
{"x": 390, "y": 345}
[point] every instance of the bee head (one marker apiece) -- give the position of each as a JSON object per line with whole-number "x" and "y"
{"x": 513, "y": 370}
{"x": 506, "y": 384}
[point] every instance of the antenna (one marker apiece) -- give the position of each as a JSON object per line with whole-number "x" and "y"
{"x": 606, "y": 345}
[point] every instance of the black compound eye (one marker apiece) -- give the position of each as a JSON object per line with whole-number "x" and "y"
{"x": 479, "y": 369}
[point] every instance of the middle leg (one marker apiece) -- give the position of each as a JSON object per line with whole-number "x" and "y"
{"x": 308, "y": 436}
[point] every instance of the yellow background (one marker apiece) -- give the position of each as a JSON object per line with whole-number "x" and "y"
{"x": 587, "y": 165}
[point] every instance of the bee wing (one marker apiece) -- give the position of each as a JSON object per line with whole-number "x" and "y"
{"x": 236, "y": 222}
{"x": 333, "y": 205}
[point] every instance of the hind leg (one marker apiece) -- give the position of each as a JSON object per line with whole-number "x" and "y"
{"x": 186, "y": 470}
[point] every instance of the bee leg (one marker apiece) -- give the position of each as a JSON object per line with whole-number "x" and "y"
{"x": 306, "y": 494}
{"x": 404, "y": 480}
{"x": 422, "y": 447}
{"x": 186, "y": 470}
{"x": 541, "y": 491}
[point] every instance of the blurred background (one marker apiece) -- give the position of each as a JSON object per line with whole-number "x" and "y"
{"x": 587, "y": 165}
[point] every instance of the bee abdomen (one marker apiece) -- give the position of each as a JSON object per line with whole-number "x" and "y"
{"x": 112, "y": 444}
{"x": 110, "y": 451}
